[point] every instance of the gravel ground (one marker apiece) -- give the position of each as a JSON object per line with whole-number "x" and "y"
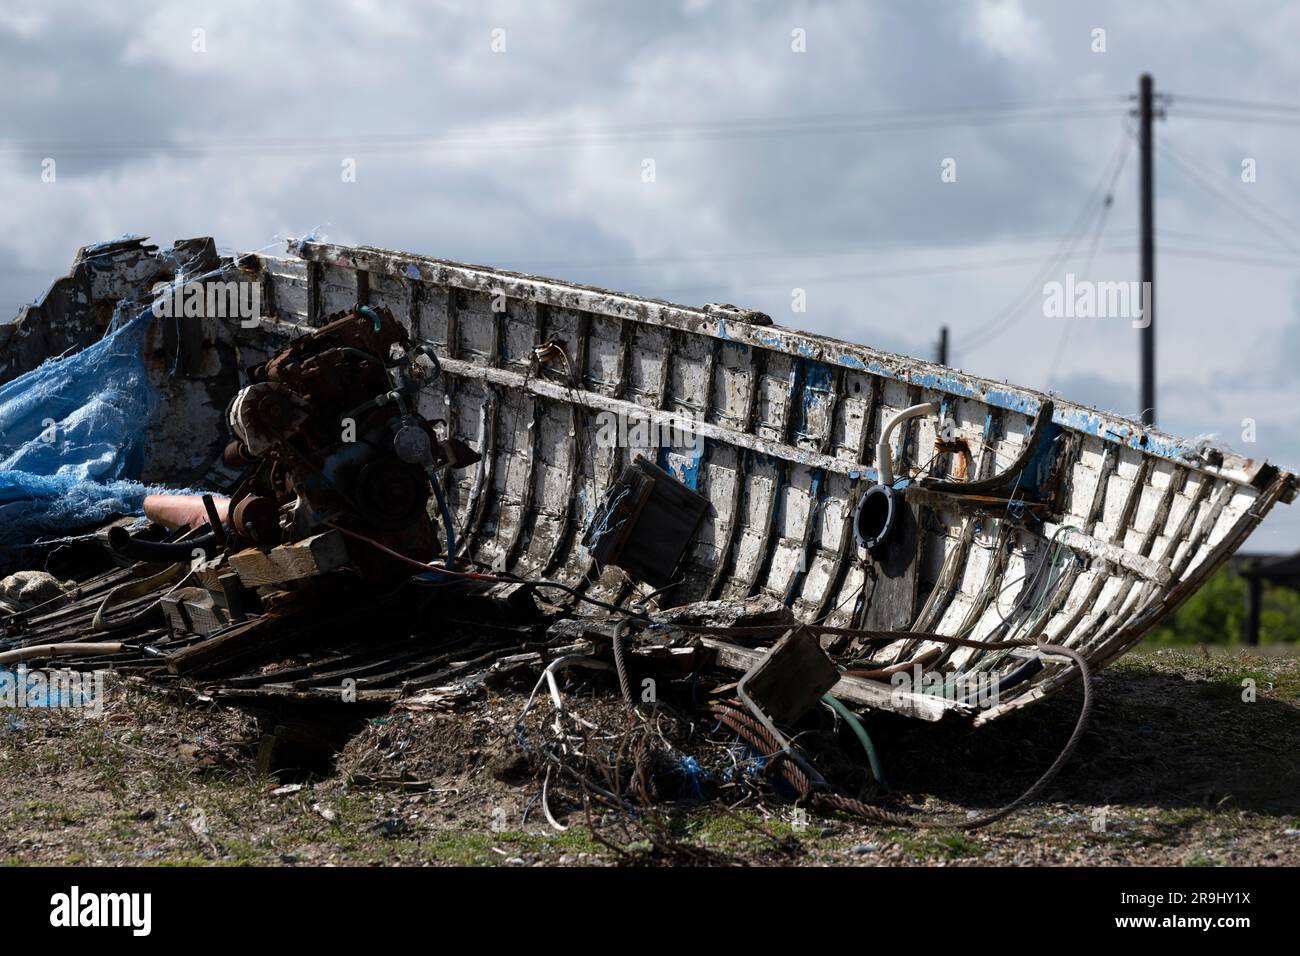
{"x": 1178, "y": 766}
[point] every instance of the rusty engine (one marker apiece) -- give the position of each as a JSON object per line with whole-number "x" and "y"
{"x": 329, "y": 437}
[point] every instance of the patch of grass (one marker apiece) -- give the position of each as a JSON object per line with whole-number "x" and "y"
{"x": 239, "y": 851}
{"x": 1180, "y": 818}
{"x": 477, "y": 848}
{"x": 193, "y": 861}
{"x": 466, "y": 848}
{"x": 51, "y": 811}
{"x": 935, "y": 844}
{"x": 738, "y": 831}
{"x": 955, "y": 846}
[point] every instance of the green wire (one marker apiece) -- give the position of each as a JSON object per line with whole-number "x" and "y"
{"x": 861, "y": 732}
{"x": 852, "y": 719}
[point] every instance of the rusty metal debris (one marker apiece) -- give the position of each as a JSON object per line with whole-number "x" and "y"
{"x": 330, "y": 438}
{"x": 408, "y": 506}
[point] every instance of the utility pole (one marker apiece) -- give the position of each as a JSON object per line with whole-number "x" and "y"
{"x": 1147, "y": 368}
{"x": 942, "y": 358}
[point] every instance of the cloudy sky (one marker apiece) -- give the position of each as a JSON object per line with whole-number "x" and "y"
{"x": 793, "y": 146}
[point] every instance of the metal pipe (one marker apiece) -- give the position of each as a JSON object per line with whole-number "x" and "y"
{"x": 215, "y": 520}
{"x": 885, "y": 455}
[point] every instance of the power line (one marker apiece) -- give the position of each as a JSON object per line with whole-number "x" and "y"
{"x": 878, "y": 248}
{"x": 1248, "y": 119}
{"x": 1241, "y": 204}
{"x": 1102, "y": 219}
{"x": 1260, "y": 208}
{"x": 881, "y": 121}
{"x": 1255, "y": 105}
{"x": 1201, "y": 239}
{"x": 1012, "y": 313}
{"x": 1275, "y": 263}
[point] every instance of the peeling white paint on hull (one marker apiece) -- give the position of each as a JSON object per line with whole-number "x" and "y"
{"x": 1028, "y": 515}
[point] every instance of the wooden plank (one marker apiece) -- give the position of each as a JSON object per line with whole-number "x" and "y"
{"x": 291, "y": 562}
{"x": 893, "y": 594}
{"x": 234, "y": 641}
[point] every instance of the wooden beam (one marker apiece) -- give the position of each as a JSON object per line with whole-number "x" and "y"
{"x": 291, "y": 562}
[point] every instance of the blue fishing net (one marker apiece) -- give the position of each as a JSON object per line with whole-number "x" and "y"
{"x": 72, "y": 437}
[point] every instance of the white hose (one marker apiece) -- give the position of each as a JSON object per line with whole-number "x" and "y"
{"x": 60, "y": 650}
{"x": 884, "y": 454}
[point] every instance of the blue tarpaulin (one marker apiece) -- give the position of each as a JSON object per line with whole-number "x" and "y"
{"x": 72, "y": 436}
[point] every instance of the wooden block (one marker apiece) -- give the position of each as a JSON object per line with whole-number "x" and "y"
{"x": 291, "y": 562}
{"x": 791, "y": 678}
{"x": 646, "y": 523}
{"x": 208, "y": 578}
{"x": 193, "y": 611}
{"x": 867, "y": 693}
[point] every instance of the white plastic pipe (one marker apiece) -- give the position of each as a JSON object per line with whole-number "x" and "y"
{"x": 885, "y": 454}
{"x": 60, "y": 650}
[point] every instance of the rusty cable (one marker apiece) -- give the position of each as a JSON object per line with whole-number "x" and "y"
{"x": 621, "y": 665}
{"x": 829, "y": 800}
{"x": 1066, "y": 753}
{"x": 758, "y": 737}
{"x": 819, "y": 794}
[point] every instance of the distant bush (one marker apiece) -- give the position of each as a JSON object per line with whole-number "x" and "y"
{"x": 1216, "y": 614}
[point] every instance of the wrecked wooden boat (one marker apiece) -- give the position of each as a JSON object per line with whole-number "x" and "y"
{"x": 650, "y": 455}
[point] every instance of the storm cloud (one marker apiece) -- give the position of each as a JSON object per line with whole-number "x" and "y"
{"x": 793, "y": 146}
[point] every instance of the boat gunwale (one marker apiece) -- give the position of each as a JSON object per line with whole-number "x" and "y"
{"x": 717, "y": 324}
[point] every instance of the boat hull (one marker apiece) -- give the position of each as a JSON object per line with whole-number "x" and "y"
{"x": 1087, "y": 528}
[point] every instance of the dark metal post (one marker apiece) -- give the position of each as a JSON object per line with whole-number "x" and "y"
{"x": 943, "y": 345}
{"x": 1147, "y": 396}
